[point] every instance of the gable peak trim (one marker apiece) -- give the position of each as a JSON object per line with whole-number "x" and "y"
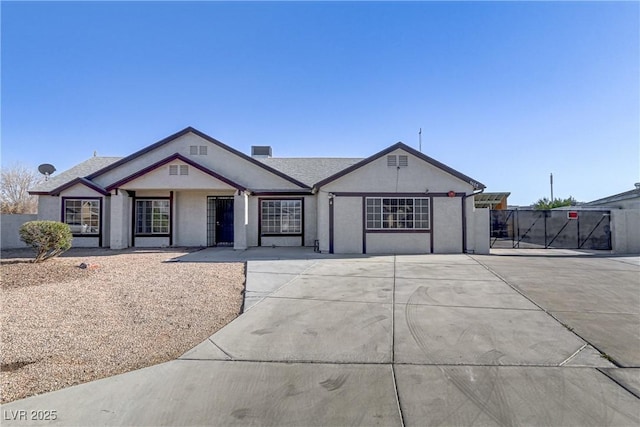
{"x": 169, "y": 159}
{"x": 402, "y": 146}
{"x": 206, "y": 137}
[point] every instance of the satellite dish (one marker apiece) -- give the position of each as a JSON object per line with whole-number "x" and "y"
{"x": 46, "y": 169}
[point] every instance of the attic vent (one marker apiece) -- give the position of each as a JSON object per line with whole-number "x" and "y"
{"x": 261, "y": 151}
{"x": 182, "y": 169}
{"x": 194, "y": 150}
{"x": 399, "y": 161}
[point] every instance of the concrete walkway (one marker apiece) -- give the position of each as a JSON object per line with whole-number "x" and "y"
{"x": 393, "y": 341}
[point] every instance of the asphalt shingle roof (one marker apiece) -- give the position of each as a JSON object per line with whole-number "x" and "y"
{"x": 78, "y": 171}
{"x": 309, "y": 170}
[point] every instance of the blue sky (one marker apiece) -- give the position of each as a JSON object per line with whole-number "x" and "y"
{"x": 505, "y": 92}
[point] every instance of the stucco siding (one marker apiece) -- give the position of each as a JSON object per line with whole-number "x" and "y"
{"x": 480, "y": 232}
{"x": 281, "y": 241}
{"x": 252, "y": 221}
{"x": 447, "y": 225}
{"x": 10, "y": 229}
{"x": 120, "y": 220}
{"x": 221, "y": 161}
{"x": 190, "y": 218}
{"x": 84, "y": 242}
{"x": 418, "y": 176}
{"x": 625, "y": 231}
{"x": 80, "y": 191}
{"x": 310, "y": 220}
{"x": 398, "y": 243}
{"x": 160, "y": 178}
{"x": 152, "y": 242}
{"x": 347, "y": 225}
{"x": 49, "y": 208}
{"x": 322, "y": 220}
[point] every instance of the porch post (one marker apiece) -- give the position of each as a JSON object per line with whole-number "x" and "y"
{"x": 240, "y": 219}
{"x": 119, "y": 227}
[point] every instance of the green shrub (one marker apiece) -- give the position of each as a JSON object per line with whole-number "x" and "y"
{"x": 48, "y": 238}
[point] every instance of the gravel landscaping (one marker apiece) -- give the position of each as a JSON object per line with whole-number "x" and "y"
{"x": 64, "y": 325}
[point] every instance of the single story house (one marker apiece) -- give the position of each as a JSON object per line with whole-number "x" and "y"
{"x": 190, "y": 189}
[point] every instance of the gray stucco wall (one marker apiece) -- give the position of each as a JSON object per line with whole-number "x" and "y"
{"x": 10, "y": 226}
{"x": 625, "y": 231}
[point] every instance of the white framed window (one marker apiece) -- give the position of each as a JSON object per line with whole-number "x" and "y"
{"x": 152, "y": 216}
{"x": 82, "y": 215}
{"x": 281, "y": 216}
{"x": 397, "y": 213}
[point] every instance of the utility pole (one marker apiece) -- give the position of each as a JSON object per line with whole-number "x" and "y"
{"x": 551, "y": 182}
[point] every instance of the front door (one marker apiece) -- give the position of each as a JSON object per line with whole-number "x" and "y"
{"x": 220, "y": 221}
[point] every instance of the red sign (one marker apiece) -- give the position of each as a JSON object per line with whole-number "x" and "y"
{"x": 572, "y": 214}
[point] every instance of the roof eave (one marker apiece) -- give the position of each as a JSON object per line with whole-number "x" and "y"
{"x": 78, "y": 180}
{"x": 171, "y": 158}
{"x": 203, "y": 136}
{"x": 399, "y": 145}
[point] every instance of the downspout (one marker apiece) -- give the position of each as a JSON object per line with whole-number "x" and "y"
{"x": 464, "y": 218}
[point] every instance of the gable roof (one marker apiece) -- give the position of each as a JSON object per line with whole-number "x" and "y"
{"x": 203, "y": 136}
{"x": 80, "y": 170}
{"x": 399, "y": 145}
{"x": 81, "y": 181}
{"x": 172, "y": 158}
{"x": 309, "y": 169}
{"x": 626, "y": 195}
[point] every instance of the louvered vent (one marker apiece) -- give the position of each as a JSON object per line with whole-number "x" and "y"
{"x": 392, "y": 161}
{"x": 403, "y": 161}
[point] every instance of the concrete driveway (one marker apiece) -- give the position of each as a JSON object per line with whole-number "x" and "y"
{"x": 393, "y": 341}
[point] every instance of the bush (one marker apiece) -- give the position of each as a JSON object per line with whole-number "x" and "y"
{"x": 48, "y": 238}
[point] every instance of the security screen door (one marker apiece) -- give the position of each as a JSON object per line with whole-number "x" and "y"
{"x": 219, "y": 221}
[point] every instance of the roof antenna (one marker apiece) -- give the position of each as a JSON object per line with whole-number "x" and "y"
{"x": 420, "y": 139}
{"x": 95, "y": 153}
{"x": 46, "y": 169}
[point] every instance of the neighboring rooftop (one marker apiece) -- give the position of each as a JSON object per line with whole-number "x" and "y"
{"x": 624, "y": 197}
{"x": 81, "y": 170}
{"x": 309, "y": 170}
{"x": 491, "y": 200}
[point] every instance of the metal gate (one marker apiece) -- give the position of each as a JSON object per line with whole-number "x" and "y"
{"x": 583, "y": 229}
